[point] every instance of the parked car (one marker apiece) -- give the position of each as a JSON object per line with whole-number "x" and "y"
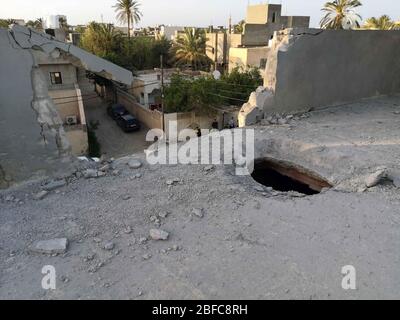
{"x": 116, "y": 111}
{"x": 128, "y": 123}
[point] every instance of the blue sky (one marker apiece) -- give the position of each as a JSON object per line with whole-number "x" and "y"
{"x": 178, "y": 12}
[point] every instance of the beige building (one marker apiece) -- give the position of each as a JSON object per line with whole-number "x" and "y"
{"x": 64, "y": 81}
{"x": 250, "y": 48}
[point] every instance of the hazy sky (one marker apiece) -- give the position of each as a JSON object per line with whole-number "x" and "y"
{"x": 178, "y": 12}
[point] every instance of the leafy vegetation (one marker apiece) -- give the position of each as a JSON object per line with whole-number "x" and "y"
{"x": 138, "y": 53}
{"x": 128, "y": 11}
{"x": 94, "y": 145}
{"x": 189, "y": 51}
{"x": 205, "y": 93}
{"x": 35, "y": 24}
{"x": 340, "y": 14}
{"x": 382, "y": 23}
{"x": 239, "y": 27}
{"x": 4, "y": 23}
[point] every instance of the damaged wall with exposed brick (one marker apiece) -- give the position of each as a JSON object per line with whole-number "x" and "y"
{"x": 310, "y": 68}
{"x": 32, "y": 139}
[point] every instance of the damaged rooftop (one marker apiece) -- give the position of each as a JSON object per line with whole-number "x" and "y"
{"x": 320, "y": 192}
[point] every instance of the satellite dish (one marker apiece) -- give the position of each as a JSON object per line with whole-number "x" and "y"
{"x": 217, "y": 75}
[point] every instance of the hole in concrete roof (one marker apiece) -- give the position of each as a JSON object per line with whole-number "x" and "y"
{"x": 285, "y": 177}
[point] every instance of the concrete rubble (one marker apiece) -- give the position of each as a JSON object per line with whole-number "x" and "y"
{"x": 53, "y": 246}
{"x": 221, "y": 223}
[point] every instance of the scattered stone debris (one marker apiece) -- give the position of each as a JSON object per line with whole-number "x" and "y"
{"x": 105, "y": 168}
{"x": 142, "y": 240}
{"x": 109, "y": 246}
{"x": 163, "y": 214}
{"x": 395, "y": 178}
{"x": 97, "y": 240}
{"x": 9, "y": 198}
{"x": 376, "y": 178}
{"x": 157, "y": 234}
{"x": 134, "y": 164}
{"x": 55, "y": 184}
{"x": 64, "y": 279}
{"x": 147, "y": 256}
{"x": 41, "y": 195}
{"x": 173, "y": 181}
{"x": 127, "y": 230}
{"x": 198, "y": 212}
{"x": 53, "y": 246}
{"x": 92, "y": 173}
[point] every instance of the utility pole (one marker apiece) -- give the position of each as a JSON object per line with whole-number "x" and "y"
{"x": 162, "y": 92}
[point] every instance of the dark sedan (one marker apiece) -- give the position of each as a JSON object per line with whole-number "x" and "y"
{"x": 117, "y": 111}
{"x": 128, "y": 123}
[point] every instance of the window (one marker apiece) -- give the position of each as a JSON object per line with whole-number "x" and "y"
{"x": 274, "y": 17}
{"x": 263, "y": 63}
{"x": 55, "y": 77}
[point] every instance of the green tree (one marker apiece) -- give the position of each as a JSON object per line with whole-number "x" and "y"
{"x": 382, "y": 23}
{"x": 189, "y": 50}
{"x": 239, "y": 28}
{"x": 102, "y": 40}
{"x": 36, "y": 24}
{"x": 203, "y": 94}
{"x": 5, "y": 23}
{"x": 128, "y": 12}
{"x": 340, "y": 14}
{"x": 63, "y": 24}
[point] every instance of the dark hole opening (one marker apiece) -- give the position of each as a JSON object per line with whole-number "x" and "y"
{"x": 286, "y": 177}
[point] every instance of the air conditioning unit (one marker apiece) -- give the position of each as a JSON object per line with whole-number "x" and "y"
{"x": 71, "y": 120}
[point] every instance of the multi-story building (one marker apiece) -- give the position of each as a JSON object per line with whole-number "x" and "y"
{"x": 250, "y": 48}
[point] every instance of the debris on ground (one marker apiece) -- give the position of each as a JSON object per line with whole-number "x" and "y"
{"x": 52, "y": 246}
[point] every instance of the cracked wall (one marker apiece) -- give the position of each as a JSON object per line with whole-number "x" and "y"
{"x": 311, "y": 68}
{"x": 32, "y": 140}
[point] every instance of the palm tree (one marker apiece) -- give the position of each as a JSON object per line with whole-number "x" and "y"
{"x": 100, "y": 39}
{"x": 382, "y": 23}
{"x": 190, "y": 49}
{"x": 63, "y": 24}
{"x": 37, "y": 24}
{"x": 340, "y": 14}
{"x": 6, "y": 23}
{"x": 396, "y": 25}
{"x": 128, "y": 12}
{"x": 238, "y": 28}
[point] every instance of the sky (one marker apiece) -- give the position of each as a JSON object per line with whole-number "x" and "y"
{"x": 199, "y": 13}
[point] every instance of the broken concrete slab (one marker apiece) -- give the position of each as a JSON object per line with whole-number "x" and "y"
{"x": 134, "y": 164}
{"x": 157, "y": 234}
{"x": 198, "y": 212}
{"x": 55, "y": 184}
{"x": 375, "y": 178}
{"x": 52, "y": 246}
{"x": 41, "y": 195}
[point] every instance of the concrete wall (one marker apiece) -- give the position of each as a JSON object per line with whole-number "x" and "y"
{"x": 68, "y": 75}
{"x": 151, "y": 119}
{"x": 310, "y": 68}
{"x": 65, "y": 105}
{"x": 248, "y": 57}
{"x": 77, "y": 136}
{"x": 217, "y": 47}
{"x": 32, "y": 140}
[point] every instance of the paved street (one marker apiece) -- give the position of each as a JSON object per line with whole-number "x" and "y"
{"x": 114, "y": 142}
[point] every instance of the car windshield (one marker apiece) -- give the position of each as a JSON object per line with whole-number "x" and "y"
{"x": 130, "y": 119}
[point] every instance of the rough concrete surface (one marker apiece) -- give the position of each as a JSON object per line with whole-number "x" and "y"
{"x": 249, "y": 243}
